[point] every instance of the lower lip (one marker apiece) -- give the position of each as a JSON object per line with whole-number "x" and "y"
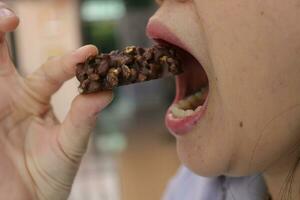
{"x": 183, "y": 126}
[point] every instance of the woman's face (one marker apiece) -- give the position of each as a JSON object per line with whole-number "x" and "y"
{"x": 250, "y": 51}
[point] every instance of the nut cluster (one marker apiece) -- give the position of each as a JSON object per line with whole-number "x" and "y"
{"x": 131, "y": 65}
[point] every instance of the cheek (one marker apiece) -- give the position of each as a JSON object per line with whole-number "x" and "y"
{"x": 257, "y": 68}
{"x": 255, "y": 117}
{"x": 239, "y": 142}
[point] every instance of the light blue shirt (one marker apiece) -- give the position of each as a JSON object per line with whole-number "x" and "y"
{"x": 189, "y": 186}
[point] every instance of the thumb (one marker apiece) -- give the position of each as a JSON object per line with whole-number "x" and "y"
{"x": 8, "y": 22}
{"x": 79, "y": 123}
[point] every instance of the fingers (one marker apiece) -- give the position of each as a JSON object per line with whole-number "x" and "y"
{"x": 8, "y": 20}
{"x": 81, "y": 119}
{"x": 50, "y": 77}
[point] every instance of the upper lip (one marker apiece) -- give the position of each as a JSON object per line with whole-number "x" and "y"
{"x": 158, "y": 31}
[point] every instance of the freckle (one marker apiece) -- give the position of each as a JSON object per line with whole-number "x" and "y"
{"x": 262, "y": 13}
{"x": 241, "y": 124}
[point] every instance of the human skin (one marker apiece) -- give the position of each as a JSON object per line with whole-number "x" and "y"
{"x": 250, "y": 51}
{"x": 39, "y": 156}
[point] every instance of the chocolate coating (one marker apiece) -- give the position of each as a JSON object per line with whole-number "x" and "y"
{"x": 129, "y": 66}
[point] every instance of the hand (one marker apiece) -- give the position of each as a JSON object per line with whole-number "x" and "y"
{"x": 39, "y": 157}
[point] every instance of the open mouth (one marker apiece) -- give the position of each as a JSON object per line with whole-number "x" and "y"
{"x": 192, "y": 88}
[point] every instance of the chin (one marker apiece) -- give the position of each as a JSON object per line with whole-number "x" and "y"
{"x": 203, "y": 167}
{"x": 204, "y": 161}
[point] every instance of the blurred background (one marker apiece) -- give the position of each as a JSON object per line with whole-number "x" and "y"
{"x": 131, "y": 155}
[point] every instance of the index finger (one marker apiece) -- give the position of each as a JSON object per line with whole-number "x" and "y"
{"x": 50, "y": 77}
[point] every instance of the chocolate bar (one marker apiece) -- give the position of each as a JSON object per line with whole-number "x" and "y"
{"x": 129, "y": 66}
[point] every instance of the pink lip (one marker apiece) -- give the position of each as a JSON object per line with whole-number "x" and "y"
{"x": 182, "y": 126}
{"x": 156, "y": 30}
{"x": 177, "y": 126}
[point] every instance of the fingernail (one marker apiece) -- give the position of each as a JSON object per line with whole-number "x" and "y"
{"x": 4, "y": 12}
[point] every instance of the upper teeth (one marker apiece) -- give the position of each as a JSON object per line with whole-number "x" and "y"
{"x": 188, "y": 106}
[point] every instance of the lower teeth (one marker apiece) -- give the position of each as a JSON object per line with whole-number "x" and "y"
{"x": 179, "y": 113}
{"x": 189, "y": 105}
